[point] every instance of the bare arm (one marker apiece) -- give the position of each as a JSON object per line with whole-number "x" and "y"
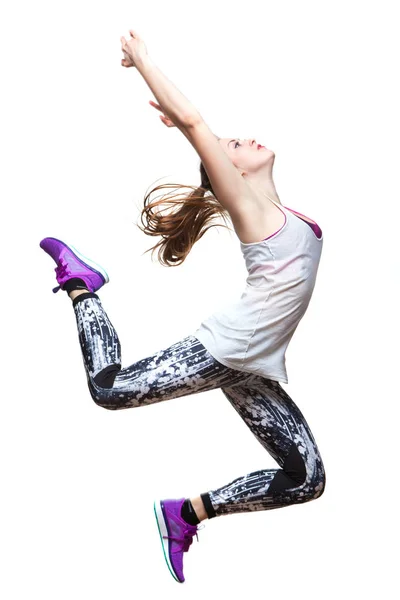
{"x": 173, "y": 103}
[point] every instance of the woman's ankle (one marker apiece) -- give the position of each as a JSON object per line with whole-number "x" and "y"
{"x": 74, "y": 293}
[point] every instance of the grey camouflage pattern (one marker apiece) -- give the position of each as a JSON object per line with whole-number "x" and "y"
{"x": 186, "y": 367}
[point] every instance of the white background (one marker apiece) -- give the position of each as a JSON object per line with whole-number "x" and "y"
{"x": 318, "y": 83}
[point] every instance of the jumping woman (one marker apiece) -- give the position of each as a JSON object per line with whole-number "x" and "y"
{"x": 241, "y": 349}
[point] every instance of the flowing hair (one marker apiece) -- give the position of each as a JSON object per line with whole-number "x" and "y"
{"x": 181, "y": 228}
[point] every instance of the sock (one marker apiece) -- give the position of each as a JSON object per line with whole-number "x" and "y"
{"x": 74, "y": 284}
{"x": 83, "y": 296}
{"x": 188, "y": 513}
{"x": 208, "y": 505}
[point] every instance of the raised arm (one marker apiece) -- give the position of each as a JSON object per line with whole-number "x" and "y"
{"x": 231, "y": 190}
{"x": 173, "y": 103}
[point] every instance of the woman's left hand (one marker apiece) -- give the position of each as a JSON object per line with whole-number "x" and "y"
{"x": 134, "y": 49}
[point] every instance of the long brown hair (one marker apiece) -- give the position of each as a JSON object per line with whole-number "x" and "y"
{"x": 182, "y": 228}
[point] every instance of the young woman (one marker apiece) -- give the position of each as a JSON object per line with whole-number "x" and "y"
{"x": 240, "y": 350}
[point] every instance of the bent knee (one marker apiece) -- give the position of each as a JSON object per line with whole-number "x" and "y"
{"x": 102, "y": 399}
{"x": 294, "y": 465}
{"x": 314, "y": 488}
{"x": 319, "y": 487}
{"x": 295, "y": 468}
{"x": 104, "y": 381}
{"x": 106, "y": 377}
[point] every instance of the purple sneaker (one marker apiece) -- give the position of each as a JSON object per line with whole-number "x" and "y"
{"x": 70, "y": 263}
{"x": 176, "y": 535}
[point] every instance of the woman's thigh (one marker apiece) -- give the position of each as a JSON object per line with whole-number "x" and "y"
{"x": 186, "y": 367}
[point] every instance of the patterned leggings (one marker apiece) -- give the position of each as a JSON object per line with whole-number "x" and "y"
{"x": 186, "y": 368}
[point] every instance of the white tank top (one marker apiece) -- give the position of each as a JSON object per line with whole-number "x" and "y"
{"x": 253, "y": 333}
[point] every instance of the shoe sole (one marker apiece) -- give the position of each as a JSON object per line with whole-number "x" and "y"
{"x": 86, "y": 261}
{"x": 162, "y": 530}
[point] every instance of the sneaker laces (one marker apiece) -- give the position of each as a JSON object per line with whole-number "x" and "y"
{"x": 61, "y": 270}
{"x": 187, "y": 538}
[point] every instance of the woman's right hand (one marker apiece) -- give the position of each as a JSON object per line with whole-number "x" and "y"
{"x": 166, "y": 120}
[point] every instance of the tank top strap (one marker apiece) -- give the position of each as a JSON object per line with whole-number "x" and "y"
{"x": 278, "y": 204}
{"x": 299, "y": 216}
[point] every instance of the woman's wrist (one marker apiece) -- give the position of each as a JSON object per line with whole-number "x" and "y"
{"x": 143, "y": 63}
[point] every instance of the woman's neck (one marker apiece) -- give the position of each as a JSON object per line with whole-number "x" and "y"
{"x": 266, "y": 190}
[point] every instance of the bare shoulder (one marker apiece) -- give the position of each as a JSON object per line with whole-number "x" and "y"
{"x": 228, "y": 185}
{"x": 257, "y": 220}
{"x": 253, "y": 219}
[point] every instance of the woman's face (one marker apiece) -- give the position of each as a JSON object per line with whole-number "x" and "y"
{"x": 247, "y": 155}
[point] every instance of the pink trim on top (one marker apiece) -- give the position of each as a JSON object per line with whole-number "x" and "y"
{"x": 299, "y": 213}
{"x": 280, "y": 229}
{"x": 314, "y": 226}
